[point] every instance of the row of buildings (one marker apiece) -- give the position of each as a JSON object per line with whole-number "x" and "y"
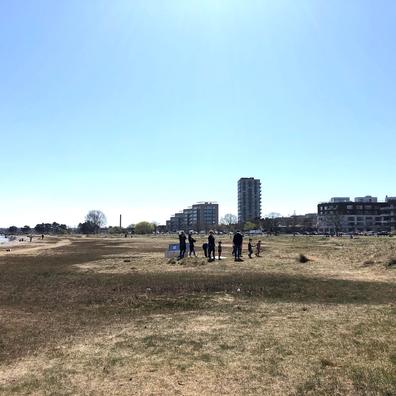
{"x": 364, "y": 214}
{"x": 339, "y": 215}
{"x": 203, "y": 216}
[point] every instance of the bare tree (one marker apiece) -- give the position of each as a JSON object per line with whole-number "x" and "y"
{"x": 229, "y": 220}
{"x": 333, "y": 220}
{"x": 96, "y": 217}
{"x": 155, "y": 226}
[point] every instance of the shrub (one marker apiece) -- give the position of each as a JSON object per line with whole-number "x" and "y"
{"x": 392, "y": 262}
{"x": 303, "y": 259}
{"x": 144, "y": 227}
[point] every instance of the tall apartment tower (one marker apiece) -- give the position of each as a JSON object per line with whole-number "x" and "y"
{"x": 249, "y": 199}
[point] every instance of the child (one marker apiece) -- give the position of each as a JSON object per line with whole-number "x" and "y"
{"x": 205, "y": 249}
{"x": 219, "y": 248}
{"x": 191, "y": 242}
{"x": 258, "y": 249}
{"x": 250, "y": 248}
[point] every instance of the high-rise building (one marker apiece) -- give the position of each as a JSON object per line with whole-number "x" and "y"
{"x": 249, "y": 199}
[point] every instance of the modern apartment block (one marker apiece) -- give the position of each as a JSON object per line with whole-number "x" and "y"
{"x": 249, "y": 199}
{"x": 201, "y": 216}
{"x": 364, "y": 214}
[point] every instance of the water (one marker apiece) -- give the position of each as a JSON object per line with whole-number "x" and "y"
{"x": 3, "y": 239}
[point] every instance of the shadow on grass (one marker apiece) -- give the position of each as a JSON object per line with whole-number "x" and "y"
{"x": 58, "y": 289}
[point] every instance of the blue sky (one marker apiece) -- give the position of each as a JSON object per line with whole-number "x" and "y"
{"x": 145, "y": 107}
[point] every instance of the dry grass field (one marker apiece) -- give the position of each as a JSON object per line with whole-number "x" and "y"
{"x": 107, "y": 316}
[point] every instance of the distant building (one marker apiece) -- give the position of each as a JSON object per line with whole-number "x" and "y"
{"x": 161, "y": 229}
{"x": 291, "y": 224}
{"x": 201, "y": 216}
{"x": 249, "y": 199}
{"x": 340, "y": 199}
{"x": 391, "y": 209}
{"x": 364, "y": 214}
{"x": 176, "y": 222}
{"x": 207, "y": 215}
{"x": 366, "y": 199}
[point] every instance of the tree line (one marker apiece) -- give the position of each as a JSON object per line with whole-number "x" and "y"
{"x": 43, "y": 228}
{"x": 94, "y": 222}
{"x": 96, "y": 219}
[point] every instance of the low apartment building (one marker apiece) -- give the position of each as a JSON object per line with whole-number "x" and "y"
{"x": 364, "y": 214}
{"x": 201, "y": 216}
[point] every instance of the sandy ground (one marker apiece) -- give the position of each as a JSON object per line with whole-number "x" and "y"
{"x": 36, "y": 245}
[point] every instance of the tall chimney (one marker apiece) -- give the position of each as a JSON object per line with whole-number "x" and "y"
{"x": 120, "y": 221}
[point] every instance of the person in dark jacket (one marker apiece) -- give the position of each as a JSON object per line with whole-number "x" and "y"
{"x": 205, "y": 249}
{"x": 191, "y": 242}
{"x": 211, "y": 246}
{"x": 182, "y": 244}
{"x": 237, "y": 241}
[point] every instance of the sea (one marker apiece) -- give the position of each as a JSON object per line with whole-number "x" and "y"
{"x": 3, "y": 239}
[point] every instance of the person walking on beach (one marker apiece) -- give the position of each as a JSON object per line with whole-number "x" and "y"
{"x": 237, "y": 241}
{"x": 219, "y": 249}
{"x": 211, "y": 246}
{"x": 182, "y": 244}
{"x": 258, "y": 249}
{"x": 250, "y": 248}
{"x": 191, "y": 242}
{"x": 205, "y": 249}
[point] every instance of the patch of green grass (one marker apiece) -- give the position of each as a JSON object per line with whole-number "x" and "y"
{"x": 54, "y": 380}
{"x": 323, "y": 383}
{"x": 374, "y": 380}
{"x": 227, "y": 347}
{"x": 205, "y": 357}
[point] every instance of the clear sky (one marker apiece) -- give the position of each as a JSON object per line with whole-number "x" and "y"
{"x": 145, "y": 107}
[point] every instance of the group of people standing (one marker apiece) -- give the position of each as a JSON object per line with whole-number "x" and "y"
{"x": 209, "y": 247}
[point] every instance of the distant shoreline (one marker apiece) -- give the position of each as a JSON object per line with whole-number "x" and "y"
{"x": 4, "y": 240}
